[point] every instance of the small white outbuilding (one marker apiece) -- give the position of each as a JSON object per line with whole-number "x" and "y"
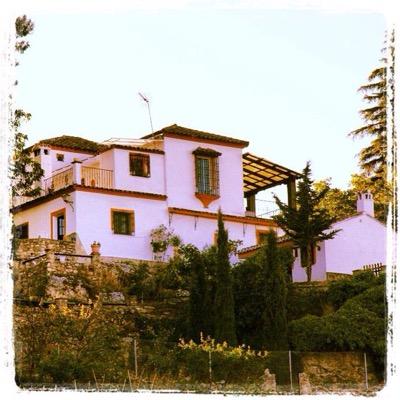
{"x": 361, "y": 241}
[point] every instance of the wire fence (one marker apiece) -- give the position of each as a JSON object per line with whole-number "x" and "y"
{"x": 165, "y": 366}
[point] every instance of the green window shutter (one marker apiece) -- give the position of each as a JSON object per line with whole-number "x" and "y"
{"x": 123, "y": 222}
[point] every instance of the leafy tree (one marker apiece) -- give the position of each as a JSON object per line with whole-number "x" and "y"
{"x": 341, "y": 203}
{"x": 380, "y": 190}
{"x": 25, "y": 170}
{"x": 338, "y": 203}
{"x": 274, "y": 316}
{"x": 306, "y": 225}
{"x": 224, "y": 323}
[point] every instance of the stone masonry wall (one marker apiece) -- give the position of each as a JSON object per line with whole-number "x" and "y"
{"x": 28, "y": 248}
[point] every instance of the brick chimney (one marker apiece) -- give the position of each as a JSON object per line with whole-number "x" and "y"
{"x": 365, "y": 203}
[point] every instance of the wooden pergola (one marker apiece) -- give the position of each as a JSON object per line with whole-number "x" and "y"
{"x": 260, "y": 174}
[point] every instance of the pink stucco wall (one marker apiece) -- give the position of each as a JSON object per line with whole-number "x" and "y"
{"x": 93, "y": 222}
{"x": 39, "y": 217}
{"x": 180, "y": 176}
{"x": 124, "y": 180}
{"x": 360, "y": 241}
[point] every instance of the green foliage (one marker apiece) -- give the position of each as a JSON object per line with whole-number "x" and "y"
{"x": 359, "y": 324}
{"x": 63, "y": 344}
{"x": 274, "y": 283}
{"x": 343, "y": 289}
{"x": 25, "y": 171}
{"x": 305, "y": 300}
{"x": 23, "y": 27}
{"x": 162, "y": 238}
{"x": 338, "y": 203}
{"x": 307, "y": 224}
{"x": 260, "y": 290}
{"x": 380, "y": 189}
{"x": 224, "y": 323}
{"x": 249, "y": 300}
{"x": 229, "y": 364}
{"x": 341, "y": 204}
{"x": 140, "y": 281}
{"x": 373, "y": 158}
{"x": 198, "y": 299}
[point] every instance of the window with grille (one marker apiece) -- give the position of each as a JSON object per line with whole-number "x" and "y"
{"x": 207, "y": 175}
{"x": 123, "y": 222}
{"x": 139, "y": 164}
{"x": 22, "y": 231}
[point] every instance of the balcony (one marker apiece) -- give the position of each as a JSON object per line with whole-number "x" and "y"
{"x": 78, "y": 174}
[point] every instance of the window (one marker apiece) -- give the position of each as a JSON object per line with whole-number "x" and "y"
{"x": 58, "y": 224}
{"x": 46, "y": 151}
{"x": 60, "y": 157}
{"x": 139, "y": 165}
{"x": 122, "y": 222}
{"x": 22, "y": 231}
{"x": 207, "y": 176}
{"x": 36, "y": 153}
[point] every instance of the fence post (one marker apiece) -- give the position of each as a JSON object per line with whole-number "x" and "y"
{"x": 366, "y": 371}
{"x": 135, "y": 354}
{"x": 210, "y": 368}
{"x": 290, "y": 371}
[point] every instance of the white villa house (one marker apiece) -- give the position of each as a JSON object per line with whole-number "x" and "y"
{"x": 118, "y": 191}
{"x": 359, "y": 243}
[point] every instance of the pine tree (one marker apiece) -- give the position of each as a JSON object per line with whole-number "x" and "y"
{"x": 26, "y": 172}
{"x": 373, "y": 158}
{"x": 274, "y": 281}
{"x": 306, "y": 225}
{"x": 224, "y": 312}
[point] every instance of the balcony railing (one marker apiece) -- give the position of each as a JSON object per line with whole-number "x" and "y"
{"x": 88, "y": 176}
{"x": 58, "y": 181}
{"x": 97, "y": 177}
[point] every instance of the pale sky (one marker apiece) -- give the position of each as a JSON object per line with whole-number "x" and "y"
{"x": 284, "y": 80}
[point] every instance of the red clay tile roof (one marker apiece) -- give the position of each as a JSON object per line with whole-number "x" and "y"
{"x": 193, "y": 133}
{"x": 70, "y": 142}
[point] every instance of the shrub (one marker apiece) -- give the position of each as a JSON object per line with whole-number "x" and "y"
{"x": 304, "y": 301}
{"x": 228, "y": 364}
{"x": 358, "y": 325}
{"x": 343, "y": 289}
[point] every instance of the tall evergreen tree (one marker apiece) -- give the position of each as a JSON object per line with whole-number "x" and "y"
{"x": 224, "y": 313}
{"x": 274, "y": 316}
{"x": 373, "y": 158}
{"x": 306, "y": 225}
{"x": 198, "y": 315}
{"x": 26, "y": 172}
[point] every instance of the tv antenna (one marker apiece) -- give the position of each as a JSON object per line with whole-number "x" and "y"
{"x": 147, "y": 101}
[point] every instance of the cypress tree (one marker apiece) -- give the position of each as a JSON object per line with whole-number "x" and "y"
{"x": 274, "y": 316}
{"x": 198, "y": 294}
{"x": 224, "y": 312}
